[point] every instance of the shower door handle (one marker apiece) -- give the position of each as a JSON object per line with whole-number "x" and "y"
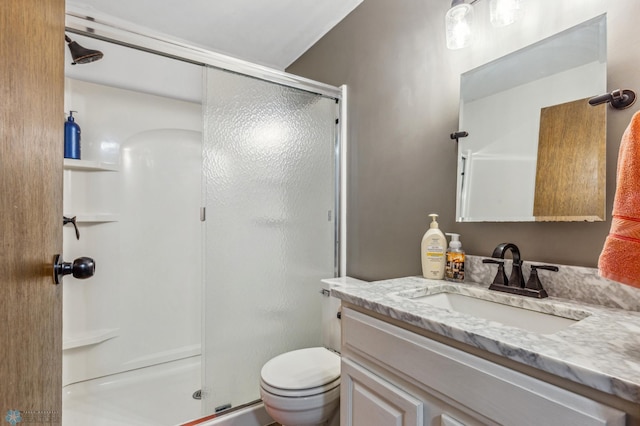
{"x": 81, "y": 268}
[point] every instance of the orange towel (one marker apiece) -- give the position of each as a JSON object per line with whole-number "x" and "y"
{"x": 620, "y": 257}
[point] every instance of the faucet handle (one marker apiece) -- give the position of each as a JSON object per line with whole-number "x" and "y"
{"x": 501, "y": 276}
{"x": 534, "y": 281}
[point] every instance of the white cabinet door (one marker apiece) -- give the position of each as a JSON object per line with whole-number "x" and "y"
{"x": 368, "y": 400}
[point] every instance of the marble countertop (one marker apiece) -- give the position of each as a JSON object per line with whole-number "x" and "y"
{"x": 601, "y": 350}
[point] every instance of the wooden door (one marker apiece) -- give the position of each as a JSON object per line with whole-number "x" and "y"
{"x": 570, "y": 171}
{"x": 31, "y": 150}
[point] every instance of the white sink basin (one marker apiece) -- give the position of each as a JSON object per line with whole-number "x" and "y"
{"x": 537, "y": 322}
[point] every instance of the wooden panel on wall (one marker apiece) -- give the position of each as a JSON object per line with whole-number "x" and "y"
{"x": 31, "y": 150}
{"x": 570, "y": 173}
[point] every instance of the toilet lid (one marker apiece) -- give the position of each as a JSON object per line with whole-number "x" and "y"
{"x": 302, "y": 369}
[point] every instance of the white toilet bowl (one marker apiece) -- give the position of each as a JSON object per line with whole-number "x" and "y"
{"x": 302, "y": 387}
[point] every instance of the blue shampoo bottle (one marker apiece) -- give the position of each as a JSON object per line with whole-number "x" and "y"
{"x": 71, "y": 138}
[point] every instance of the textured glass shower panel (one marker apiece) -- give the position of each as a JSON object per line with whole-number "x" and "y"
{"x": 270, "y": 198}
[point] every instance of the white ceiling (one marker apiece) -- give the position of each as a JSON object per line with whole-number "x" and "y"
{"x": 266, "y": 32}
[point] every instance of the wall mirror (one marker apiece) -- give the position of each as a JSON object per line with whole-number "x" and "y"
{"x": 535, "y": 149}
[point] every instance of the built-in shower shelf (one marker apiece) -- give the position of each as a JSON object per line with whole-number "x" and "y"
{"x": 89, "y": 166}
{"x": 95, "y": 217}
{"x": 89, "y": 338}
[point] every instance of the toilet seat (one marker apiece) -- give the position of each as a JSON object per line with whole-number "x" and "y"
{"x": 300, "y": 393}
{"x": 301, "y": 373}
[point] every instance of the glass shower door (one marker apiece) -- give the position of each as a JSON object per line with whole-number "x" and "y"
{"x": 270, "y": 179}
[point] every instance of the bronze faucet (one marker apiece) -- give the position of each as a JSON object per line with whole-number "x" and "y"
{"x": 515, "y": 279}
{"x": 516, "y": 284}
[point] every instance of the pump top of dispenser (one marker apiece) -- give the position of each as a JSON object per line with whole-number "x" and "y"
{"x": 71, "y": 116}
{"x": 455, "y": 241}
{"x": 434, "y": 222}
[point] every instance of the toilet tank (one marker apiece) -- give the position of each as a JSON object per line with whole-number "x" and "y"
{"x": 330, "y": 307}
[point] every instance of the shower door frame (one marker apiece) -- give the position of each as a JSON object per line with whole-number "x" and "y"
{"x": 102, "y": 28}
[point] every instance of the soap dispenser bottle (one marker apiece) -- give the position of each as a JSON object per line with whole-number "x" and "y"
{"x": 71, "y": 138}
{"x": 454, "y": 269}
{"x": 433, "y": 248}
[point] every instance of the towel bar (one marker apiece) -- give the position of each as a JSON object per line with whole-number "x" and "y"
{"x": 619, "y": 99}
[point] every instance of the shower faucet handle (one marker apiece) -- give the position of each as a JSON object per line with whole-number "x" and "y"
{"x": 71, "y": 220}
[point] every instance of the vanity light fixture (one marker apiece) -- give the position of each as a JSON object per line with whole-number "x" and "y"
{"x": 459, "y": 23}
{"x": 459, "y": 19}
{"x": 504, "y": 12}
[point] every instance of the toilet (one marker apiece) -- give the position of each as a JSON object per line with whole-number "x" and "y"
{"x": 302, "y": 387}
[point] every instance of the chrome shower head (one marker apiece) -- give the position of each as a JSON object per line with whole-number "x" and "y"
{"x": 81, "y": 55}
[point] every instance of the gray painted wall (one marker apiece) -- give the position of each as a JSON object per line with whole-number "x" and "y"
{"x": 403, "y": 103}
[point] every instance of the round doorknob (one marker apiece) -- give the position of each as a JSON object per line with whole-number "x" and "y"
{"x": 81, "y": 268}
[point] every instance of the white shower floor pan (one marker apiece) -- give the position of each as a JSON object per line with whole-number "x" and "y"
{"x": 151, "y": 396}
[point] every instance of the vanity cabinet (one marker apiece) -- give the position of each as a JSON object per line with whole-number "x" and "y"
{"x": 393, "y": 376}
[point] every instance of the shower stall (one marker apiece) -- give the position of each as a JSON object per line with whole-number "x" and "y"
{"x": 208, "y": 193}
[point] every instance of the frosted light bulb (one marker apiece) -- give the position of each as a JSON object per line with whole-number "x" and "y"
{"x": 504, "y": 12}
{"x": 459, "y": 24}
